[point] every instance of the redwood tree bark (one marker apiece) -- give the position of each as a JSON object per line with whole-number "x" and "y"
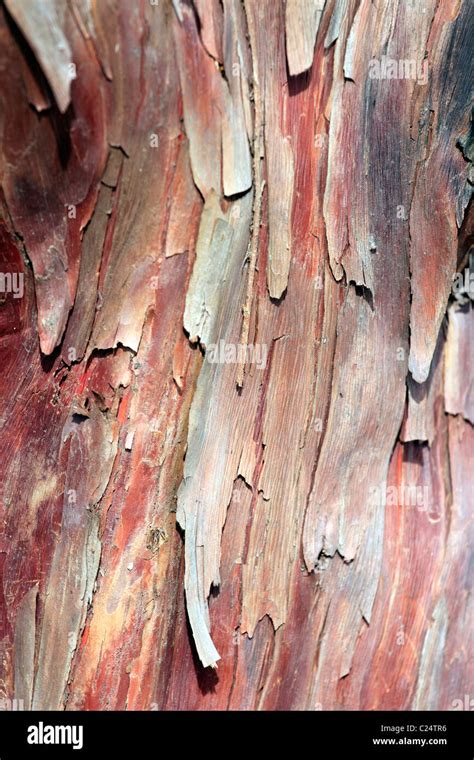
{"x": 236, "y": 336}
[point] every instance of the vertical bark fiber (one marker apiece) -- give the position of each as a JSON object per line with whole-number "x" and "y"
{"x": 179, "y": 179}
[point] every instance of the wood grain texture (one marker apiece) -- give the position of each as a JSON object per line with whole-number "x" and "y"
{"x": 309, "y": 528}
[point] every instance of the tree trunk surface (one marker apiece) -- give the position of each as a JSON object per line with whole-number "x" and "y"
{"x": 237, "y": 354}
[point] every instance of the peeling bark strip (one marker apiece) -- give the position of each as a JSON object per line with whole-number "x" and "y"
{"x": 258, "y": 156}
{"x": 291, "y": 182}
{"x": 42, "y": 28}
{"x": 302, "y": 19}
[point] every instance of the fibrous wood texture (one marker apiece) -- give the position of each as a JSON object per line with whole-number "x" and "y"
{"x": 237, "y": 396}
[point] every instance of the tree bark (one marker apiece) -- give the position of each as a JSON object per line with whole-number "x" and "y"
{"x": 236, "y": 339}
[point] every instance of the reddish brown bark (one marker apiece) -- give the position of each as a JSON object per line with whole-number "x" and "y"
{"x": 156, "y": 518}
